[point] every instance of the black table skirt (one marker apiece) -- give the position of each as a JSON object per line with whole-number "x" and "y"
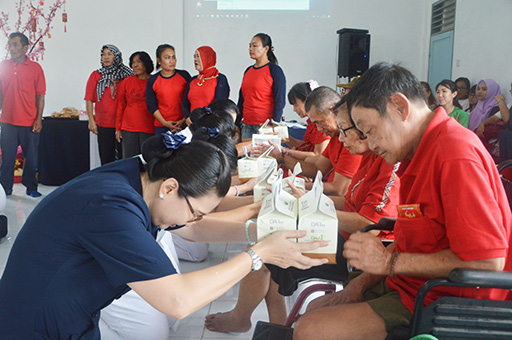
{"x": 63, "y": 150}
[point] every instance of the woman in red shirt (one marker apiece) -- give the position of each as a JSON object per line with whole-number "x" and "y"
{"x": 262, "y": 93}
{"x": 165, "y": 90}
{"x": 208, "y": 85}
{"x": 134, "y": 123}
{"x": 101, "y": 101}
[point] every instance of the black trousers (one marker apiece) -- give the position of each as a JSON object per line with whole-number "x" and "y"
{"x": 132, "y": 141}
{"x": 109, "y": 148}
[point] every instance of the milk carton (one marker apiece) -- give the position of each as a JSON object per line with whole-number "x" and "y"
{"x": 247, "y": 167}
{"x": 265, "y": 129}
{"x": 278, "y": 211}
{"x": 264, "y": 180}
{"x": 264, "y": 161}
{"x": 281, "y": 129}
{"x": 317, "y": 216}
{"x": 276, "y": 128}
{"x": 263, "y": 139}
{"x": 299, "y": 183}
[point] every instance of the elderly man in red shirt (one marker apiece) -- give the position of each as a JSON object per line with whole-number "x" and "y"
{"x": 436, "y": 230}
{"x": 22, "y": 90}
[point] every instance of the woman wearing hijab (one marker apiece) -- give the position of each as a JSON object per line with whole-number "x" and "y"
{"x": 486, "y": 119}
{"x": 101, "y": 100}
{"x": 208, "y": 85}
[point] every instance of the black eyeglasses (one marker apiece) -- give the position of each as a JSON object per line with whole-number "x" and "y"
{"x": 195, "y": 217}
{"x": 344, "y": 134}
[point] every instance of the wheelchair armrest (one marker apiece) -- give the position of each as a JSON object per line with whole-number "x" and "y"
{"x": 482, "y": 278}
{"x": 461, "y": 277}
{"x": 385, "y": 223}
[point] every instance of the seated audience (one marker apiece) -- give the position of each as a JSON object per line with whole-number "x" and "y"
{"x": 314, "y": 142}
{"x": 446, "y": 93}
{"x": 486, "y": 119}
{"x": 431, "y": 100}
{"x": 336, "y": 163}
{"x": 472, "y": 99}
{"x": 437, "y": 157}
{"x": 373, "y": 194}
{"x": 463, "y": 86}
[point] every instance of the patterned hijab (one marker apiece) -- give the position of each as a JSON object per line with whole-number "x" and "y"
{"x": 208, "y": 59}
{"x": 483, "y": 107}
{"x": 112, "y": 74}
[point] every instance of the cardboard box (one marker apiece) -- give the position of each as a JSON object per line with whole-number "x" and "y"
{"x": 278, "y": 211}
{"x": 300, "y": 183}
{"x": 247, "y": 167}
{"x": 264, "y": 180}
{"x": 264, "y": 161}
{"x": 263, "y": 139}
{"x": 317, "y": 216}
{"x": 279, "y": 128}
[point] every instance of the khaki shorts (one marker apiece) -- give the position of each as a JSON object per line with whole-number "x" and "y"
{"x": 388, "y": 305}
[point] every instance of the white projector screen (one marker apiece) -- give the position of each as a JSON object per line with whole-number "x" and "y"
{"x": 265, "y": 5}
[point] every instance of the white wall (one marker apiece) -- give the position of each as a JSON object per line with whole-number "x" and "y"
{"x": 306, "y": 47}
{"x": 482, "y": 47}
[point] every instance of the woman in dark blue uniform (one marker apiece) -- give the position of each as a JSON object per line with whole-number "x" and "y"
{"x": 93, "y": 239}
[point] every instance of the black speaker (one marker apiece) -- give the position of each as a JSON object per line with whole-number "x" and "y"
{"x": 354, "y": 52}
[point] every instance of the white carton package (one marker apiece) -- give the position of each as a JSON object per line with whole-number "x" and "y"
{"x": 317, "y": 216}
{"x": 281, "y": 129}
{"x": 247, "y": 167}
{"x": 264, "y": 161}
{"x": 264, "y": 139}
{"x": 299, "y": 183}
{"x": 278, "y": 211}
{"x": 265, "y": 129}
{"x": 264, "y": 180}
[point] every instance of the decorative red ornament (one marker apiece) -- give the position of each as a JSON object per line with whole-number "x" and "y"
{"x": 41, "y": 3}
{"x": 65, "y": 20}
{"x": 33, "y": 25}
{"x": 41, "y": 45}
{"x": 49, "y": 36}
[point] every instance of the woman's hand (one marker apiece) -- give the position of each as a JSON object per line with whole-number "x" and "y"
{"x": 480, "y": 129}
{"x": 118, "y": 136}
{"x": 279, "y": 250}
{"x": 498, "y": 97}
{"x": 248, "y": 186}
{"x": 367, "y": 253}
{"x": 93, "y": 127}
{"x": 276, "y": 153}
{"x": 258, "y": 149}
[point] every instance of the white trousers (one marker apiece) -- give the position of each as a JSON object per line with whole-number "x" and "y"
{"x": 131, "y": 317}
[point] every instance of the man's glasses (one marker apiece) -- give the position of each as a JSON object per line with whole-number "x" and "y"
{"x": 195, "y": 217}
{"x": 343, "y": 132}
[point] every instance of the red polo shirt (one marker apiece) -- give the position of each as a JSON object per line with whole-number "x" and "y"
{"x": 463, "y": 205}
{"x": 132, "y": 113}
{"x": 104, "y": 110}
{"x": 374, "y": 190}
{"x": 312, "y": 136}
{"x": 19, "y": 85}
{"x": 343, "y": 162}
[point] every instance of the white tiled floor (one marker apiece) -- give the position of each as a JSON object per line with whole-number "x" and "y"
{"x": 18, "y": 207}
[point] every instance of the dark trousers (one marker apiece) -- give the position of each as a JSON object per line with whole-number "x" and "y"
{"x": 132, "y": 141}
{"x": 160, "y": 130}
{"x": 11, "y": 137}
{"x": 108, "y": 146}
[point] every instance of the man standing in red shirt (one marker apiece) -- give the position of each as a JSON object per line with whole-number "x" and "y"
{"x": 436, "y": 230}
{"x": 22, "y": 90}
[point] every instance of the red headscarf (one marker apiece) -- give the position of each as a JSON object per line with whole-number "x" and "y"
{"x": 208, "y": 59}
